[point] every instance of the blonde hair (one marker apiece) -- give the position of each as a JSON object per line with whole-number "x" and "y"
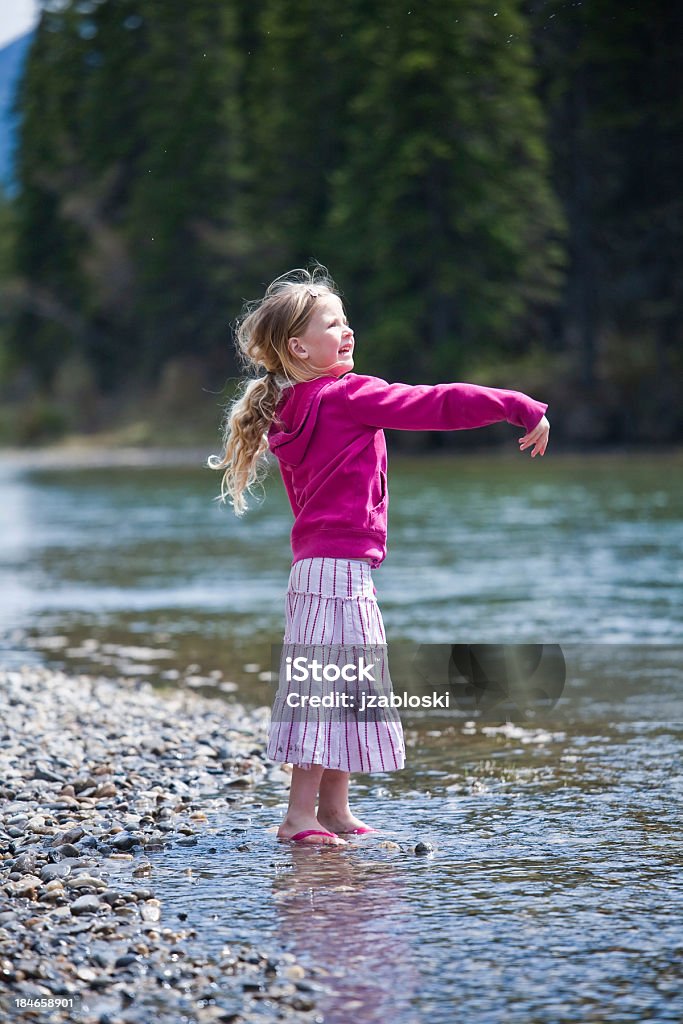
{"x": 262, "y": 333}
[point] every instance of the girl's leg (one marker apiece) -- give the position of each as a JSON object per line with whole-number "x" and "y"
{"x": 301, "y": 811}
{"x": 334, "y": 812}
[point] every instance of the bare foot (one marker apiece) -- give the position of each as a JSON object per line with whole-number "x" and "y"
{"x": 290, "y": 828}
{"x": 342, "y": 823}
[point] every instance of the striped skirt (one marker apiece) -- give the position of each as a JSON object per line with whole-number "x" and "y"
{"x": 332, "y": 615}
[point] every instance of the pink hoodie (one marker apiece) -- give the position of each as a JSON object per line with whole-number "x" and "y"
{"x": 333, "y": 458}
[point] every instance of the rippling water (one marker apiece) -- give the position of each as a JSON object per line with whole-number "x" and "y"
{"x": 553, "y": 890}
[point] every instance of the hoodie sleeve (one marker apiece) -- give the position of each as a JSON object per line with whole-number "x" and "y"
{"x": 375, "y": 402}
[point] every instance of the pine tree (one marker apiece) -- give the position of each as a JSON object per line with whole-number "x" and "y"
{"x": 47, "y": 287}
{"x": 299, "y": 70}
{"x": 610, "y": 75}
{"x": 131, "y": 132}
{"x": 185, "y": 184}
{"x": 194, "y": 151}
{"x": 442, "y": 209}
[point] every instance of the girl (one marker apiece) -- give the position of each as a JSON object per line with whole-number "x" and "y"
{"x": 325, "y": 425}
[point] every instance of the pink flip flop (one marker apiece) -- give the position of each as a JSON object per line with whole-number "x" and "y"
{"x": 359, "y": 831}
{"x": 299, "y": 836}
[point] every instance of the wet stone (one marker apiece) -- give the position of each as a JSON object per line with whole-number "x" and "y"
{"x": 84, "y": 925}
{"x": 82, "y": 784}
{"x": 143, "y": 894}
{"x": 124, "y": 910}
{"x": 84, "y": 882}
{"x": 422, "y": 849}
{"x": 26, "y": 862}
{"x": 127, "y": 960}
{"x": 70, "y": 837}
{"x": 302, "y": 1003}
{"x": 67, "y": 850}
{"x": 124, "y": 841}
{"x": 51, "y": 871}
{"x": 24, "y": 886}
{"x": 110, "y": 897}
{"x": 85, "y": 905}
{"x": 47, "y": 774}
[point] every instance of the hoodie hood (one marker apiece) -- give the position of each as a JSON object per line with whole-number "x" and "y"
{"x": 298, "y": 413}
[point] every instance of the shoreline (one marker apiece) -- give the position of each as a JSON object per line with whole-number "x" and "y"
{"x": 99, "y": 776}
{"x": 81, "y": 453}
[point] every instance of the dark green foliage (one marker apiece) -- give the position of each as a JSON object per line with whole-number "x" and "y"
{"x": 442, "y": 209}
{"x": 175, "y": 155}
{"x": 611, "y": 82}
{"x": 491, "y": 185}
{"x": 128, "y": 143}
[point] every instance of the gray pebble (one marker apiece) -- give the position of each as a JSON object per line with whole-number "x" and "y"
{"x": 84, "y": 882}
{"x": 127, "y": 960}
{"x": 67, "y": 850}
{"x": 70, "y": 837}
{"x": 47, "y": 774}
{"x": 58, "y": 870}
{"x": 85, "y": 905}
{"x": 124, "y": 841}
{"x": 110, "y": 897}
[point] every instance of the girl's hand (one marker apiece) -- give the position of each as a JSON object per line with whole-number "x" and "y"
{"x": 538, "y": 437}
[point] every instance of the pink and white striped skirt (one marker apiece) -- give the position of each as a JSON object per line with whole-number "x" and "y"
{"x": 331, "y": 610}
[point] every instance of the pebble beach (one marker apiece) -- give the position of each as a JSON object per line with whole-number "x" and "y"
{"x": 98, "y": 778}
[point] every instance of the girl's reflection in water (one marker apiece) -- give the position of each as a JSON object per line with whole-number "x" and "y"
{"x": 346, "y": 914}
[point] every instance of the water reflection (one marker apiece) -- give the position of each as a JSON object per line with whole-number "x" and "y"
{"x": 351, "y": 918}
{"x": 553, "y": 892}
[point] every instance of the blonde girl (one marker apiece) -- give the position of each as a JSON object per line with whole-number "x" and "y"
{"x": 325, "y": 426}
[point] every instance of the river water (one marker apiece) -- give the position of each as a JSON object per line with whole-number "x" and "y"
{"x": 550, "y": 885}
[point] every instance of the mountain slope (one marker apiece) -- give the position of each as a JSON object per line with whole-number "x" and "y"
{"x": 12, "y": 59}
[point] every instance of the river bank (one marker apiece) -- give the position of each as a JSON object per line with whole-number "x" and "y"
{"x": 98, "y": 777}
{"x": 85, "y": 452}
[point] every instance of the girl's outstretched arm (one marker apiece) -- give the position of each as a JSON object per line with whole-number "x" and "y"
{"x": 375, "y": 402}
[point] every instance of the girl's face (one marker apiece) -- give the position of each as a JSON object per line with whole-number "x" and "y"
{"x": 327, "y": 343}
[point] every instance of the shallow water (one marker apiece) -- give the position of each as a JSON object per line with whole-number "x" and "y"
{"x": 553, "y": 890}
{"x": 494, "y": 549}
